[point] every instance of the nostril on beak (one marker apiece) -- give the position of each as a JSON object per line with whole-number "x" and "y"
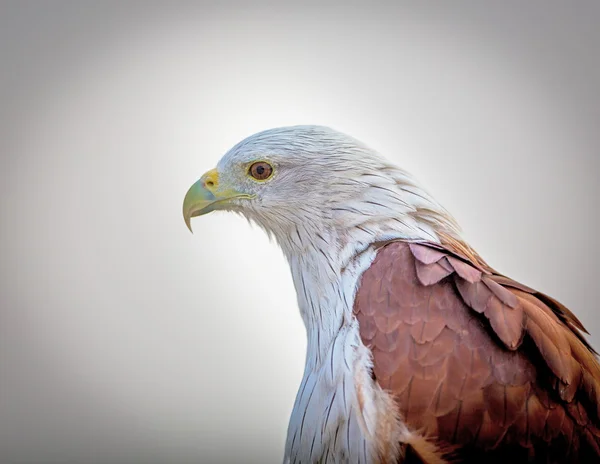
{"x": 210, "y": 180}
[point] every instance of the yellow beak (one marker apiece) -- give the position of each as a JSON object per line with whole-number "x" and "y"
{"x": 207, "y": 195}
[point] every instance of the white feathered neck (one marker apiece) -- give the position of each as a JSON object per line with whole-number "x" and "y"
{"x": 324, "y": 246}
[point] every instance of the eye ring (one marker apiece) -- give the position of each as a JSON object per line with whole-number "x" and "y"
{"x": 261, "y": 170}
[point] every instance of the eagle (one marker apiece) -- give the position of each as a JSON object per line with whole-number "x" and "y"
{"x": 417, "y": 350}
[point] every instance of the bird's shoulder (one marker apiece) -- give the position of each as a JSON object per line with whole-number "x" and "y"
{"x": 476, "y": 359}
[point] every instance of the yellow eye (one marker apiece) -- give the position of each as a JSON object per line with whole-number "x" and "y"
{"x": 261, "y": 170}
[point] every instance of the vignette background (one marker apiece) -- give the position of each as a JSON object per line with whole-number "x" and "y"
{"x": 123, "y": 338}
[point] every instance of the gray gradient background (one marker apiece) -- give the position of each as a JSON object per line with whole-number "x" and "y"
{"x": 123, "y": 338}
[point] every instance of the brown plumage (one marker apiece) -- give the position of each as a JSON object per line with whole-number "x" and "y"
{"x": 477, "y": 363}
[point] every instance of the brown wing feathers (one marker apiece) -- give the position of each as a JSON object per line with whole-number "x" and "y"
{"x": 477, "y": 360}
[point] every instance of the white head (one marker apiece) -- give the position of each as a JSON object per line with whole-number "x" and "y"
{"x": 300, "y": 181}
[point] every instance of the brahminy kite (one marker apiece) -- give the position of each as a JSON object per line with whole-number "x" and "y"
{"x": 418, "y": 351}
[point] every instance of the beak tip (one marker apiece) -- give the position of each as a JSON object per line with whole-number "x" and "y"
{"x": 188, "y": 222}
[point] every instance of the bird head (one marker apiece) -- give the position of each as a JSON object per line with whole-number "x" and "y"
{"x": 303, "y": 178}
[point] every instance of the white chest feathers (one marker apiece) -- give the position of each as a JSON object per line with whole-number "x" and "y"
{"x": 340, "y": 414}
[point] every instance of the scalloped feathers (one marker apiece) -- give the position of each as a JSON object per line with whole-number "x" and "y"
{"x": 477, "y": 361}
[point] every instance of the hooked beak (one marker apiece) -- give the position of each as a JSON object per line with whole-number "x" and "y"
{"x": 207, "y": 195}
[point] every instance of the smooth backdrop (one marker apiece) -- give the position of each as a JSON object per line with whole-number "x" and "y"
{"x": 124, "y": 338}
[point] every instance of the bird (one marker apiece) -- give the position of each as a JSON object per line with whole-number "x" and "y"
{"x": 417, "y": 350}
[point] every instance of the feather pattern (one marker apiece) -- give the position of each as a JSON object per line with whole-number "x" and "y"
{"x": 477, "y": 361}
